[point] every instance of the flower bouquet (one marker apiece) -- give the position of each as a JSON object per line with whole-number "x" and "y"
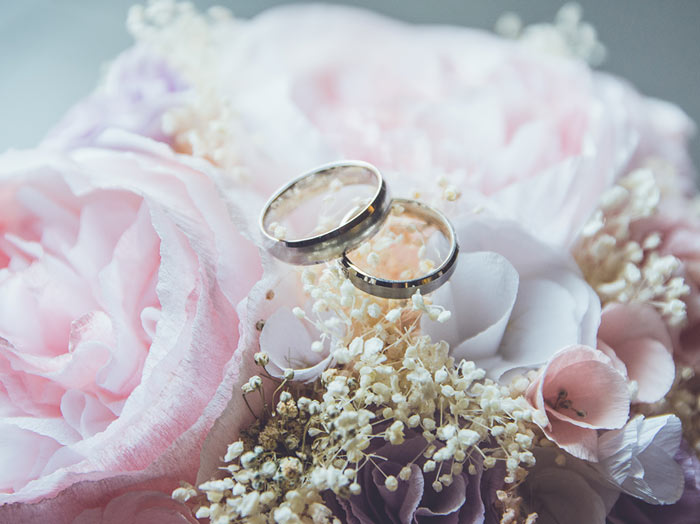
{"x": 159, "y": 364}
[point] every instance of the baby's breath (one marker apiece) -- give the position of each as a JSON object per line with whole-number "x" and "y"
{"x": 567, "y": 36}
{"x": 203, "y": 125}
{"x": 389, "y": 381}
{"x": 628, "y": 270}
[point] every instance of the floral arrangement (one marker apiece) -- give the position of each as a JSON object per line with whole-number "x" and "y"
{"x": 158, "y": 366}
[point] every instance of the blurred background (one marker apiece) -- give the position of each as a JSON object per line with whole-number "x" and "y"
{"x": 51, "y": 52}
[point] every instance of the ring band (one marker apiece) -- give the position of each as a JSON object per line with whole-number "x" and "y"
{"x": 351, "y": 231}
{"x": 402, "y": 289}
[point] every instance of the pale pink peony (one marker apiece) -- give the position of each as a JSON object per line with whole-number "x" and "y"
{"x": 637, "y": 336}
{"x": 576, "y": 393}
{"x": 119, "y": 277}
{"x": 542, "y": 136}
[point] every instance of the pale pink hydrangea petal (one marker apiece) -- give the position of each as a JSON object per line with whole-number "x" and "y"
{"x": 639, "y": 338}
{"x": 576, "y": 393}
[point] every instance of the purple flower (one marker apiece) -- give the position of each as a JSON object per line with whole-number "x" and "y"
{"x": 572, "y": 492}
{"x": 415, "y": 500}
{"x": 629, "y": 510}
{"x": 135, "y": 93}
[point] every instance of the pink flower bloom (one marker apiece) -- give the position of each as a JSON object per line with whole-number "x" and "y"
{"x": 542, "y": 136}
{"x": 638, "y": 337}
{"x": 577, "y": 393}
{"x": 119, "y": 277}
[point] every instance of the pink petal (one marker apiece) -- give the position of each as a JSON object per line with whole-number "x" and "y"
{"x": 650, "y": 364}
{"x": 581, "y": 442}
{"x": 593, "y": 386}
{"x": 639, "y": 337}
{"x": 623, "y": 322}
{"x": 138, "y": 507}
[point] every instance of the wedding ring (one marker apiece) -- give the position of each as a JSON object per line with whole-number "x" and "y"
{"x": 360, "y": 223}
{"x": 402, "y": 289}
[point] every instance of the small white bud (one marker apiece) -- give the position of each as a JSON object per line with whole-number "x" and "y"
{"x": 374, "y": 311}
{"x": 234, "y": 451}
{"x": 417, "y": 300}
{"x": 393, "y": 315}
{"x": 444, "y": 316}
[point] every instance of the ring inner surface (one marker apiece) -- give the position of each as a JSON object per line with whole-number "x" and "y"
{"x": 320, "y": 202}
{"x": 413, "y": 243}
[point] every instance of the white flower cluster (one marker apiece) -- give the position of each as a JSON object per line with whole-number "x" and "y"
{"x": 625, "y": 270}
{"x": 161, "y": 25}
{"x": 389, "y": 383}
{"x": 568, "y": 36}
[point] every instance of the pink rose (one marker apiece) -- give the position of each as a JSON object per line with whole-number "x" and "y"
{"x": 119, "y": 277}
{"x": 542, "y": 136}
{"x": 577, "y": 393}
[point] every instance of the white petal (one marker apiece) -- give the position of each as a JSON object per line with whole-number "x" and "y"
{"x": 639, "y": 458}
{"x": 287, "y": 341}
{"x": 544, "y": 320}
{"x": 481, "y": 294}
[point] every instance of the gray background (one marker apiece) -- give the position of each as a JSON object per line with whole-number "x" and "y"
{"x": 51, "y": 50}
